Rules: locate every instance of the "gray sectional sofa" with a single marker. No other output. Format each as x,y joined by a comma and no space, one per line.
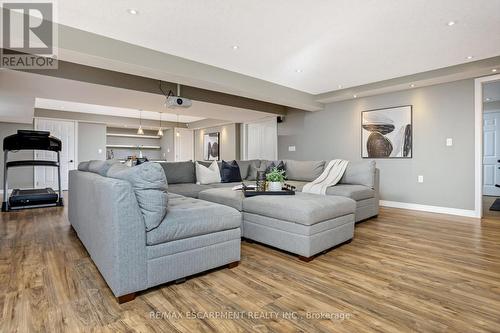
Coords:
141,232
360,181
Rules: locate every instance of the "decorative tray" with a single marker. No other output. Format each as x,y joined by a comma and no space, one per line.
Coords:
252,192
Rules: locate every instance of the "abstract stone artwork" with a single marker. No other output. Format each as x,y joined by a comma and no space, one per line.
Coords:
387,133
211,146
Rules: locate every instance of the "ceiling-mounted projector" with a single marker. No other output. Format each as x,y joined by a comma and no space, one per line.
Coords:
178,102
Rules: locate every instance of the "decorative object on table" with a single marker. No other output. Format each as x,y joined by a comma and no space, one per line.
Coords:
387,133
230,172
289,187
260,182
275,179
211,146
210,175
332,174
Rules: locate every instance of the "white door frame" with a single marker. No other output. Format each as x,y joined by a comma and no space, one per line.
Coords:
478,134
35,121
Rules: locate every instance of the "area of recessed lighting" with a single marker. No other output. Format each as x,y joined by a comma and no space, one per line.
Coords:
355,96
298,70
132,11
469,57
488,99
235,47
494,70
451,23
412,85
340,86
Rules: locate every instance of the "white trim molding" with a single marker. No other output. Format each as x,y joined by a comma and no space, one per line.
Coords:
430,209
478,141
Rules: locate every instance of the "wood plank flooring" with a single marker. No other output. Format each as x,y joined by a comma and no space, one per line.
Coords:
403,272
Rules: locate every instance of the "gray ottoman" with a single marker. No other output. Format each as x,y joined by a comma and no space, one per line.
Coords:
304,224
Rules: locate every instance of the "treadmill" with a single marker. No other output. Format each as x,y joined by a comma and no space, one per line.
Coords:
31,198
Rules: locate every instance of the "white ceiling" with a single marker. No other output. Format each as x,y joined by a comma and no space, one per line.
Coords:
19,90
331,42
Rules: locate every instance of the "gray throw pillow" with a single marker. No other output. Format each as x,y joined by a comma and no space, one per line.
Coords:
179,172
84,166
150,187
101,167
245,167
306,171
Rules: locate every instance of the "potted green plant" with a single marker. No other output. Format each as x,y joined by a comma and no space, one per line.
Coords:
275,179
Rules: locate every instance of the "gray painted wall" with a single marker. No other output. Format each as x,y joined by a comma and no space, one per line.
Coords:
439,112
91,139
228,141
18,177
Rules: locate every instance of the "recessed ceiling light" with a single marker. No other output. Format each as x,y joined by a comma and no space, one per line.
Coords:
470,57
488,99
235,47
298,70
132,11
494,70
340,86
412,85
451,23
62,107
355,96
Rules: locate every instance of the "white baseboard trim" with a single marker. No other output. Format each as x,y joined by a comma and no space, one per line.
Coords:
431,209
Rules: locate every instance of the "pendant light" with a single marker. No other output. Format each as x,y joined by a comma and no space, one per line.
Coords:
140,131
160,130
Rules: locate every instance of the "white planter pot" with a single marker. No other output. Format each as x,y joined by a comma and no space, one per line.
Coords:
274,186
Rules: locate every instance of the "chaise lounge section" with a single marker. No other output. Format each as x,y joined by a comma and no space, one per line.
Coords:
194,236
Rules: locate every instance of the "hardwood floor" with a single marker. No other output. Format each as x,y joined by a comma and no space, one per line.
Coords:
404,271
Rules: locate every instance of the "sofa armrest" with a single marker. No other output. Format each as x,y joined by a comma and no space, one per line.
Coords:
105,214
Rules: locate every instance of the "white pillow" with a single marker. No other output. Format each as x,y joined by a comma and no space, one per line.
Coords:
210,175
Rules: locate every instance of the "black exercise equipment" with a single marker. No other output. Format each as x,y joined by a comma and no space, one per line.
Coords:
32,198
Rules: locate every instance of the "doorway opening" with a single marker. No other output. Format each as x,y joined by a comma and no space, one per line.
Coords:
488,182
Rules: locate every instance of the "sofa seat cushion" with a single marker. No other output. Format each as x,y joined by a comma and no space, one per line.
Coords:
188,217
355,192
188,190
223,196
302,208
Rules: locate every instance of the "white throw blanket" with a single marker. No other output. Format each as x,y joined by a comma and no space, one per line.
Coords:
330,177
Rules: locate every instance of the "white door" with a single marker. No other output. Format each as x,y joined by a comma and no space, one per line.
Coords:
184,144
66,132
261,141
491,153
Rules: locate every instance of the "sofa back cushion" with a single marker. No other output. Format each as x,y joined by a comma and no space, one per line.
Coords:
306,171
101,167
245,167
360,173
83,166
150,187
230,172
179,172
254,167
